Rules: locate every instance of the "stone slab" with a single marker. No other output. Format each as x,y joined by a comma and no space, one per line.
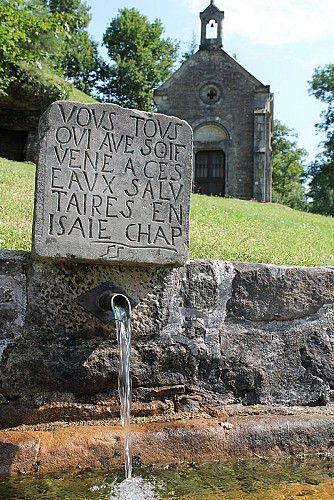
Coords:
18,452
113,185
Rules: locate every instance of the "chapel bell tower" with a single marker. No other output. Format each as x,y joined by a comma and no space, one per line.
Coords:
211,28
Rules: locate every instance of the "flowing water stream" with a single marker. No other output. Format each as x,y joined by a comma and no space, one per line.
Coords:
124,330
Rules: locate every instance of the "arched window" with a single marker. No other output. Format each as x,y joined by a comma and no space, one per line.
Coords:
212,29
210,132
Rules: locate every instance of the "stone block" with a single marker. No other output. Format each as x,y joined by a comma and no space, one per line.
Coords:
113,186
264,292
12,296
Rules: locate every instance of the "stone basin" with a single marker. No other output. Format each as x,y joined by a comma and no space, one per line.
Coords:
64,446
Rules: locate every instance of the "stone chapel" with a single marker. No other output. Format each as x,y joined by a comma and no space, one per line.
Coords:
230,112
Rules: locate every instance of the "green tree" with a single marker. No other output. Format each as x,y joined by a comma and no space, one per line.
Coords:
192,47
321,186
25,39
288,167
79,61
141,59
321,171
322,87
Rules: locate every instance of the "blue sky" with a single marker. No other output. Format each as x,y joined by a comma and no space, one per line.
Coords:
279,41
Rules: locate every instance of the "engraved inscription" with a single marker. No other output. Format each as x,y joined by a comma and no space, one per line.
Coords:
116,185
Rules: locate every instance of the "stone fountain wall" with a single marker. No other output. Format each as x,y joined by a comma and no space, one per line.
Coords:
236,333
112,203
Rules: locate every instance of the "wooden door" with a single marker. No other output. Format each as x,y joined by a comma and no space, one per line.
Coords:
210,173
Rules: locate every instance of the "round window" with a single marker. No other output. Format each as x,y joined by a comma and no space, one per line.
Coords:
210,93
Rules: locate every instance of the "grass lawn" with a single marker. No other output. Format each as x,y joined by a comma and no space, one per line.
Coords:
17,182
221,228
246,231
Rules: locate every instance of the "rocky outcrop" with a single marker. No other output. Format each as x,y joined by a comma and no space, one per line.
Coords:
23,105
226,332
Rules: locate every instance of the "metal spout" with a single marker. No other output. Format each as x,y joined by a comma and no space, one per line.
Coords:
107,302
115,302
119,304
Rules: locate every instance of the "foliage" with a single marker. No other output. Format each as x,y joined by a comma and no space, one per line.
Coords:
48,34
321,186
321,171
79,11
221,228
25,29
46,87
288,168
141,59
38,88
80,61
322,87
192,47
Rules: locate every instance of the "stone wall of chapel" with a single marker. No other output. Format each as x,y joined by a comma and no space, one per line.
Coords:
234,109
